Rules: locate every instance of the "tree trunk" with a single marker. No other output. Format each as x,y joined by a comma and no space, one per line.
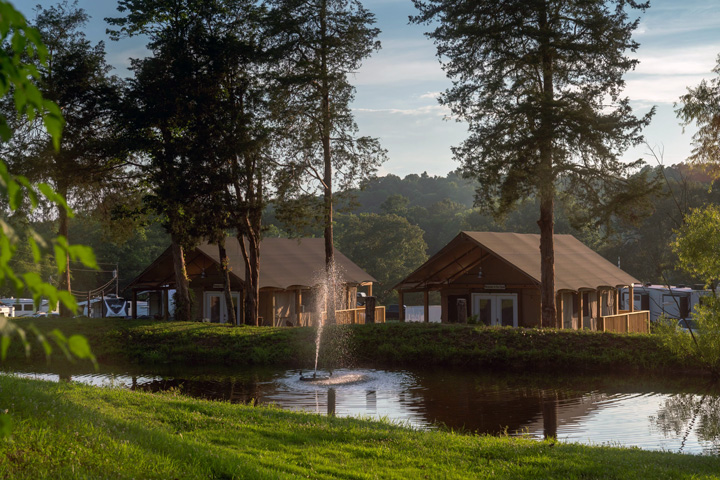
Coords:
183,302
224,265
547,260
251,253
546,187
331,287
64,282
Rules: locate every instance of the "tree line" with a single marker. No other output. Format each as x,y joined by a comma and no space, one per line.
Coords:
237,101
239,123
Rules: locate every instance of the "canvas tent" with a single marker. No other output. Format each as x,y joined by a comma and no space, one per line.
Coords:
290,271
497,277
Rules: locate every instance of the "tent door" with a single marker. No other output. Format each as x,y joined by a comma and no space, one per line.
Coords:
496,309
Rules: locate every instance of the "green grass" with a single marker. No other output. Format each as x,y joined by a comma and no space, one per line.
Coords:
396,345
65,431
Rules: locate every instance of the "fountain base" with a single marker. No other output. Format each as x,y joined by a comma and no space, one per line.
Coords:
314,377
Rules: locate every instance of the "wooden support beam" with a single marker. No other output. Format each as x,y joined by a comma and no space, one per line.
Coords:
558,310
616,308
631,298
401,310
426,306
166,304
298,307
133,305
581,319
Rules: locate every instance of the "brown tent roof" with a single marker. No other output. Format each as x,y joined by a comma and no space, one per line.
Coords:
284,263
576,265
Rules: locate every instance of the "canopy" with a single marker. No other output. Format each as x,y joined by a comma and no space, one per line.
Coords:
576,266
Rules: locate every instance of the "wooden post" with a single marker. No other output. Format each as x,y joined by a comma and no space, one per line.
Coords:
298,307
559,311
89,312
401,310
598,294
461,310
134,304
616,308
631,297
369,288
166,304
273,320
102,304
370,309
581,319
426,305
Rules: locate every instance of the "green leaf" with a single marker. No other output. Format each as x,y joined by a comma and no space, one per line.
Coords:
4,345
60,258
80,347
84,254
67,299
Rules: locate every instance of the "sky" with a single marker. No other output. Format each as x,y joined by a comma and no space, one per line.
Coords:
397,87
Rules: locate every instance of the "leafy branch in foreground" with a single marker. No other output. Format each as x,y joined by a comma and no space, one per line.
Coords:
19,76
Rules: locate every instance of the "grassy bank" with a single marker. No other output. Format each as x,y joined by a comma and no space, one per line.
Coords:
157,342
65,430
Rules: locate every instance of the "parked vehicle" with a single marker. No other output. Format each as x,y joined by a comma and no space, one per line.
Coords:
108,306
676,302
7,310
392,312
25,307
686,325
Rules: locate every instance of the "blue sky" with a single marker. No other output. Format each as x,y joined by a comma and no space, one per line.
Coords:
397,87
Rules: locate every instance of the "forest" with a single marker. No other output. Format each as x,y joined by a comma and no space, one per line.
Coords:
392,225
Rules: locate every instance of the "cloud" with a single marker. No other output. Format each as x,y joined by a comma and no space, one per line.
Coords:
431,95
427,110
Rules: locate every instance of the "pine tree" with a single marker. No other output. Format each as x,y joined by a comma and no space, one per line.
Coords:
539,83
322,41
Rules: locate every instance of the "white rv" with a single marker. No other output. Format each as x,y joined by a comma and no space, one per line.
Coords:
108,306
25,307
674,302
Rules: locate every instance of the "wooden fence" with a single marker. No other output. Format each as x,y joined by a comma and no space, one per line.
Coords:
626,322
342,317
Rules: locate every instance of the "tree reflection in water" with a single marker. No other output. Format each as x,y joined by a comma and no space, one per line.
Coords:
683,413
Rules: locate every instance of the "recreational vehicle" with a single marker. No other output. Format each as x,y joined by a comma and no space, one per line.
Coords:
108,306
673,302
25,307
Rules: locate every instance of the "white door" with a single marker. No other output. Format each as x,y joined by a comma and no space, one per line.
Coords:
497,309
216,309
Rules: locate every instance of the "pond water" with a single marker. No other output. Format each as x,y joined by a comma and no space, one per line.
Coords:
680,415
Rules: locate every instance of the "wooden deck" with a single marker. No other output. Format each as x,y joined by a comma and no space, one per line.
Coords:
342,317
626,322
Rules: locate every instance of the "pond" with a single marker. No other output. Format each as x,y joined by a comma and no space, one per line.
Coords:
681,415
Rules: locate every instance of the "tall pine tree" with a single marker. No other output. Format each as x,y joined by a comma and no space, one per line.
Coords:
323,42
540,84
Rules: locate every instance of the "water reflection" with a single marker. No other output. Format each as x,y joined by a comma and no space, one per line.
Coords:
684,415
649,413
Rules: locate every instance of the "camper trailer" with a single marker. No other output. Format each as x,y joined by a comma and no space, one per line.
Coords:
674,302
7,310
108,306
25,307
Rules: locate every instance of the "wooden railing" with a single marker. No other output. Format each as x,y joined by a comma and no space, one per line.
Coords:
342,317
626,322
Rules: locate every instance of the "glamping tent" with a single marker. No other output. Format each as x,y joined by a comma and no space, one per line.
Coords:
290,272
495,279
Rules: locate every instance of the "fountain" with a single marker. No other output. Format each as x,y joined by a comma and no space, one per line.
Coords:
327,300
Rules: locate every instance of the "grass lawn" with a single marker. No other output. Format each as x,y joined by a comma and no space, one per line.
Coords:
63,430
